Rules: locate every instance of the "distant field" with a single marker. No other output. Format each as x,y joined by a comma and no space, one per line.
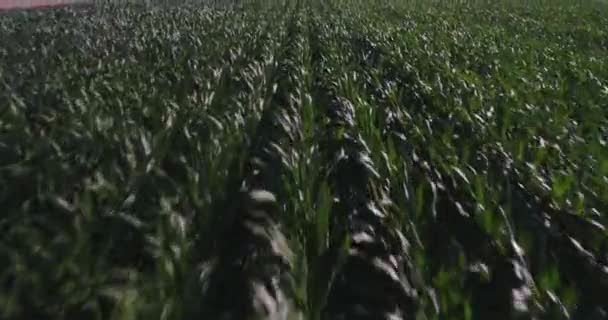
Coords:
14,4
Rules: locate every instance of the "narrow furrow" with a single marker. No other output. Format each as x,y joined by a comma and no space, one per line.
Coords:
370,282
368,251
253,276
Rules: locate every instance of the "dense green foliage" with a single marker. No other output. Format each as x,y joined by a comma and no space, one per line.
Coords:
305,160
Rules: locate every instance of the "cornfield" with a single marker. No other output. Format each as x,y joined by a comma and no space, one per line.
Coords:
319,160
